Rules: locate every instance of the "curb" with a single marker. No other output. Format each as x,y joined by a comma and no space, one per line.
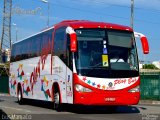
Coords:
141,102
149,102
4,94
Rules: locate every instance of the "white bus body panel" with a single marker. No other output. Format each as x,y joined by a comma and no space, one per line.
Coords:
40,87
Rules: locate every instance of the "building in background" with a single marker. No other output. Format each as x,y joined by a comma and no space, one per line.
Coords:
5,56
156,63
141,63
8,54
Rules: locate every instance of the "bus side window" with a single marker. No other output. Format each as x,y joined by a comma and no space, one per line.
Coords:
60,44
13,54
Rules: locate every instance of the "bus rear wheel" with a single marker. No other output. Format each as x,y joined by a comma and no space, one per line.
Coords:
19,96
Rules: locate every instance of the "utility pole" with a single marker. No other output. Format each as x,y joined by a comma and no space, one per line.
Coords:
46,1
6,28
132,13
6,35
16,28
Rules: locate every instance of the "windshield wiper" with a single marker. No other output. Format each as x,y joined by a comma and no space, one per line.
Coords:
94,67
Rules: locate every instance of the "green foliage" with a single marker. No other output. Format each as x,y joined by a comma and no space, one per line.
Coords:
4,69
150,66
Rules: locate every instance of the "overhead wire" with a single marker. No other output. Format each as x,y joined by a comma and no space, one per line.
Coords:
124,6
59,4
98,13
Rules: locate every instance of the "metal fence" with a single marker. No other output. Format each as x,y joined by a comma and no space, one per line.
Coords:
150,86
4,84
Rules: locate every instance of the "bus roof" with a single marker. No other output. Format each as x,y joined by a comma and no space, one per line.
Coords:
83,24
91,24
35,34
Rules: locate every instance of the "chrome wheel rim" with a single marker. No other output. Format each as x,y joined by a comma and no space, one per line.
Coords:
56,98
19,95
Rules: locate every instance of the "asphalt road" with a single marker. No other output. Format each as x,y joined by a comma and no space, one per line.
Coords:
38,110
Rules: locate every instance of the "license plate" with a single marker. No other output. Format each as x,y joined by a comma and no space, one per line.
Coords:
110,99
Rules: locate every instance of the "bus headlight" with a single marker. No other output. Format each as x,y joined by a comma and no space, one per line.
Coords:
136,89
80,88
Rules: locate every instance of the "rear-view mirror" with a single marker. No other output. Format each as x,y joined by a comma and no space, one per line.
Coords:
73,42
73,38
144,42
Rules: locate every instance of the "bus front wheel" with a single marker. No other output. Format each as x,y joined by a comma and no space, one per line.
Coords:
57,103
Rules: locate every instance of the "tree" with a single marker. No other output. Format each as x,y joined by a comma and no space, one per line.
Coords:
149,66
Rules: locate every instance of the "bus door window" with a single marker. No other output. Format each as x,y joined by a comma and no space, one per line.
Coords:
83,54
132,56
69,54
60,44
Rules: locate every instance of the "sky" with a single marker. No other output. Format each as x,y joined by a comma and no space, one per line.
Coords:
30,17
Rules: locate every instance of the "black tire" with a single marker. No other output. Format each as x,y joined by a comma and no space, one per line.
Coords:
57,103
19,96
113,109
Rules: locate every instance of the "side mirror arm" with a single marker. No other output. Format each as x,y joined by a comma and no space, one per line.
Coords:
144,42
73,38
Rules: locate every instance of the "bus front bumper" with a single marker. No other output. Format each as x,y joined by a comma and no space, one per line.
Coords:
106,98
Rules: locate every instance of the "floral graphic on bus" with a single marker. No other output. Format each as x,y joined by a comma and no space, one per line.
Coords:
20,71
44,87
12,84
35,74
13,81
26,88
112,84
94,84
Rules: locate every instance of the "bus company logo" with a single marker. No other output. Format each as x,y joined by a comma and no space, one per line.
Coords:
110,84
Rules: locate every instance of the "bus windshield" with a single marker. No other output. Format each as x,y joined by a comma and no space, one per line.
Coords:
106,53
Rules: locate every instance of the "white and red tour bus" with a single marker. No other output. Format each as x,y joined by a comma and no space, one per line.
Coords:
78,62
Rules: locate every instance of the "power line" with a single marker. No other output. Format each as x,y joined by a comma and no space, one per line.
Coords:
97,13
110,4
89,11
125,6
59,4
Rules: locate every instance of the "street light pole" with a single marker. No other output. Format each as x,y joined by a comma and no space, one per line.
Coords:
132,12
16,30
16,34
45,1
